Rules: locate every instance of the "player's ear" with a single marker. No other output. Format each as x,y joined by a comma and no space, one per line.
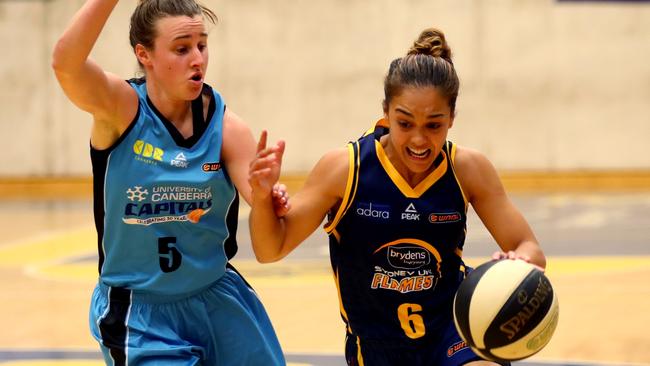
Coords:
142,54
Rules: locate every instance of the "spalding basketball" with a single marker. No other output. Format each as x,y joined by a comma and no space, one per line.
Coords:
506,310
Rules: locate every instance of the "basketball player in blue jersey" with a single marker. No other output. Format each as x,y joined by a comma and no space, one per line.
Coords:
396,205
169,161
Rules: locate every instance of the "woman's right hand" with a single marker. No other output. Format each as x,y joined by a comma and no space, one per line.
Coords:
264,170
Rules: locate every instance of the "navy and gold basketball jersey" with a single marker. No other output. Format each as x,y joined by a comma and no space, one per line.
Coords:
165,207
395,249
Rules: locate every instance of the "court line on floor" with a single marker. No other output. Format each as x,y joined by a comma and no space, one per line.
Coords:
93,358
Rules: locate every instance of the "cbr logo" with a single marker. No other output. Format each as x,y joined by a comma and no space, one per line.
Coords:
146,150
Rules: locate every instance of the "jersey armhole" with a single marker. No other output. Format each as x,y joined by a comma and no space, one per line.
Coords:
350,187
451,148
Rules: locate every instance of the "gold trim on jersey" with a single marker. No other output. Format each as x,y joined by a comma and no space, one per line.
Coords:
401,183
458,251
350,187
451,147
452,153
359,355
380,123
344,313
336,235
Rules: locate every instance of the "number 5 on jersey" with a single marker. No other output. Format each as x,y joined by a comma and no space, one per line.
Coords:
170,257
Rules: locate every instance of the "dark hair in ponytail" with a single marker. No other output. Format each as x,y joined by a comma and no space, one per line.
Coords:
426,64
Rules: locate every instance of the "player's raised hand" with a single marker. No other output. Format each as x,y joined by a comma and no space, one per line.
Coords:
264,170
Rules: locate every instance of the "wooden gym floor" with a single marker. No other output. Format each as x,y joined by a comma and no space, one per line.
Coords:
598,248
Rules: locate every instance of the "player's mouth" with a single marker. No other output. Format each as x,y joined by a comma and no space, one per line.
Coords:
418,153
197,77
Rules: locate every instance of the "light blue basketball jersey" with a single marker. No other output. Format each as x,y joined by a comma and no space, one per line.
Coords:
165,208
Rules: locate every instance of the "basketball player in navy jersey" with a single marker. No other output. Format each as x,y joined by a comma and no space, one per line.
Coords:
396,206
169,162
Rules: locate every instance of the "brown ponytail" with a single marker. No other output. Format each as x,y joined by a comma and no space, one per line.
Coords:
426,64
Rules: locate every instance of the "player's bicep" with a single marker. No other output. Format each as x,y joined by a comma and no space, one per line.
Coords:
95,91
490,201
504,222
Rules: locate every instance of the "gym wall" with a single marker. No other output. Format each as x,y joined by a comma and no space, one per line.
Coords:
546,86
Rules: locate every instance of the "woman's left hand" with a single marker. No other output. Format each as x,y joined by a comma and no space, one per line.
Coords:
280,196
511,254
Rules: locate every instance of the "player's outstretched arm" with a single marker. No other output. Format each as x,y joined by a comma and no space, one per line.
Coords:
108,98
273,238
500,216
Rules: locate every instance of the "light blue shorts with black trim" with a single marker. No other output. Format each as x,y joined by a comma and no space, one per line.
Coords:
224,325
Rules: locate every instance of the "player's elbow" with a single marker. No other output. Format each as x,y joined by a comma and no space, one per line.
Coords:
265,260
541,260
269,253
62,61
58,63
268,257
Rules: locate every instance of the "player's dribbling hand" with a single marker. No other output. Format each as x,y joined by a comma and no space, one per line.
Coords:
511,254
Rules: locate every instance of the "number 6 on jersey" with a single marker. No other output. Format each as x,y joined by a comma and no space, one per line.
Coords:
412,323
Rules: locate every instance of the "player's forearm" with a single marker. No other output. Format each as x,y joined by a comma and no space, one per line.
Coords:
267,231
74,46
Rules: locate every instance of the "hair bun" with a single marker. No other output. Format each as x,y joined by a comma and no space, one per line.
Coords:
431,42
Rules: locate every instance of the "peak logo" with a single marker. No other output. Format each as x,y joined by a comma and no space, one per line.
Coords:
441,218
180,161
376,211
147,153
410,213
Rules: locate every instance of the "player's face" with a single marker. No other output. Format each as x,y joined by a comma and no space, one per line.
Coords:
419,119
179,59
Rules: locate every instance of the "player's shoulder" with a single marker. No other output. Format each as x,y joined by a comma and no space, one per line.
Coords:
476,173
334,162
331,172
468,159
234,126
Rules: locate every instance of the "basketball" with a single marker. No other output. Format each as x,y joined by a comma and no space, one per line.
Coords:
506,310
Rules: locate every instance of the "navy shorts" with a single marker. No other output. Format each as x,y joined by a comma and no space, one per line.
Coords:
448,350
224,324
